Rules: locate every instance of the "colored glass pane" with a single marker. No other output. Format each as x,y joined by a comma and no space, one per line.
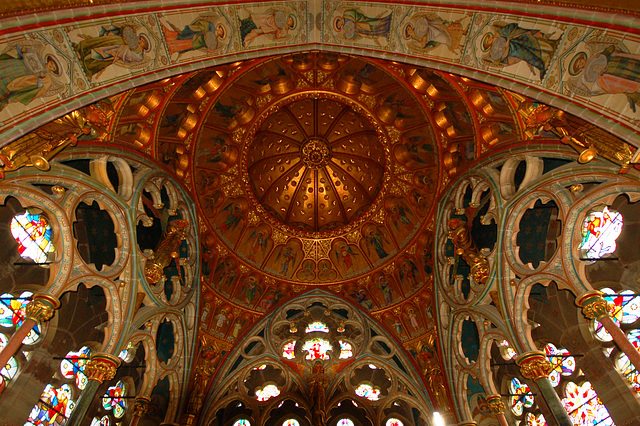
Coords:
128,353
54,407
12,313
9,371
521,396
104,421
74,364
317,326
533,420
291,422
346,351
317,348
393,422
112,400
365,390
344,422
506,350
584,406
268,391
33,234
563,363
288,351
625,309
242,422
624,365
600,230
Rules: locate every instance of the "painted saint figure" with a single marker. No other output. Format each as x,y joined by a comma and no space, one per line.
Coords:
122,45
353,24
509,44
431,31
612,71
202,33
288,259
275,25
20,81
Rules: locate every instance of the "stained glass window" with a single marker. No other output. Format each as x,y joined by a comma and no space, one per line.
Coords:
563,363
104,421
624,365
128,353
393,422
288,351
291,422
317,348
33,234
599,233
521,396
366,390
346,351
625,310
73,366
506,350
533,420
344,422
12,313
112,400
9,371
242,422
317,326
268,391
584,406
54,407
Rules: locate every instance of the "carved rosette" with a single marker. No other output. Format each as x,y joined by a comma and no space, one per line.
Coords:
41,307
140,406
594,307
495,404
534,365
101,367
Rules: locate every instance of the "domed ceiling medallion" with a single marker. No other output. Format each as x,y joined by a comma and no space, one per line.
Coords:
316,164
316,169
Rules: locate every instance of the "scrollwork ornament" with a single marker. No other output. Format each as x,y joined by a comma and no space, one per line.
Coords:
534,365
140,406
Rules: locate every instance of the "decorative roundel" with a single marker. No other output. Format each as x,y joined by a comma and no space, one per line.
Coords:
309,176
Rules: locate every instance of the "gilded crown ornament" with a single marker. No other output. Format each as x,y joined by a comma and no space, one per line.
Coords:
534,365
41,307
594,307
102,367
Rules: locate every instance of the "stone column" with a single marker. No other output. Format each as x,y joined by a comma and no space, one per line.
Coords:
497,408
594,307
140,407
535,366
100,368
40,309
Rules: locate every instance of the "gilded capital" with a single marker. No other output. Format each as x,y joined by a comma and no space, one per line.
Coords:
534,365
593,305
140,406
41,307
101,367
495,404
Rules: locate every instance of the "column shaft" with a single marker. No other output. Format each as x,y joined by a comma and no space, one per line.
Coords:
15,342
83,403
621,340
553,402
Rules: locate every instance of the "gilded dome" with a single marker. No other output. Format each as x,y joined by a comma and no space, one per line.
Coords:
316,164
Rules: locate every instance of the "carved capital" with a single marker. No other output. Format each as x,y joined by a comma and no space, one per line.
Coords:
534,365
41,307
101,367
593,305
495,404
140,406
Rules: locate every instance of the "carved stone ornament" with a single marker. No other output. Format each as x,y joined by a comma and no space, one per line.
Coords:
594,307
140,406
534,365
41,307
465,247
166,251
495,404
102,367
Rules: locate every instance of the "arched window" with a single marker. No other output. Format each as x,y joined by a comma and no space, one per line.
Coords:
33,234
53,408
113,399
